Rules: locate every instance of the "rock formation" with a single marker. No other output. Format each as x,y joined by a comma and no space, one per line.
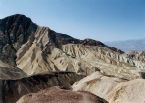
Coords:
112,89
12,90
11,73
57,95
98,84
128,92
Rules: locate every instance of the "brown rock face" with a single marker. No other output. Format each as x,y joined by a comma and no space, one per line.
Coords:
12,90
56,95
11,73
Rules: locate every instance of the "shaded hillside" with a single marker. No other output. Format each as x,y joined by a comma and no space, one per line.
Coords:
12,90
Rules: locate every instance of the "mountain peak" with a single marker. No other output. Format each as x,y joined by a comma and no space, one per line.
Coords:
15,16
12,27
14,32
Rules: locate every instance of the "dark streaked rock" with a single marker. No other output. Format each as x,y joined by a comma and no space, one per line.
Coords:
12,90
14,31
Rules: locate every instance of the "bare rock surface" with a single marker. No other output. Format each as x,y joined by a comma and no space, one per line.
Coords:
11,73
97,83
57,95
128,92
112,89
12,90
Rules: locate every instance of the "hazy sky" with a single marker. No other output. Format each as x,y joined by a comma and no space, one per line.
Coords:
104,20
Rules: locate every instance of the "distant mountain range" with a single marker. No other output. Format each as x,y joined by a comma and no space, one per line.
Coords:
129,45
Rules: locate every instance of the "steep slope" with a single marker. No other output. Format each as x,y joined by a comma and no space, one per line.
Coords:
57,95
12,90
14,32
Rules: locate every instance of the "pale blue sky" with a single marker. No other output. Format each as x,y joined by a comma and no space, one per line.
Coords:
104,20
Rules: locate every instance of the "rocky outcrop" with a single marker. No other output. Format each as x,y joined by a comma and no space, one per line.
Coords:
11,73
57,95
12,90
112,89
128,92
98,84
